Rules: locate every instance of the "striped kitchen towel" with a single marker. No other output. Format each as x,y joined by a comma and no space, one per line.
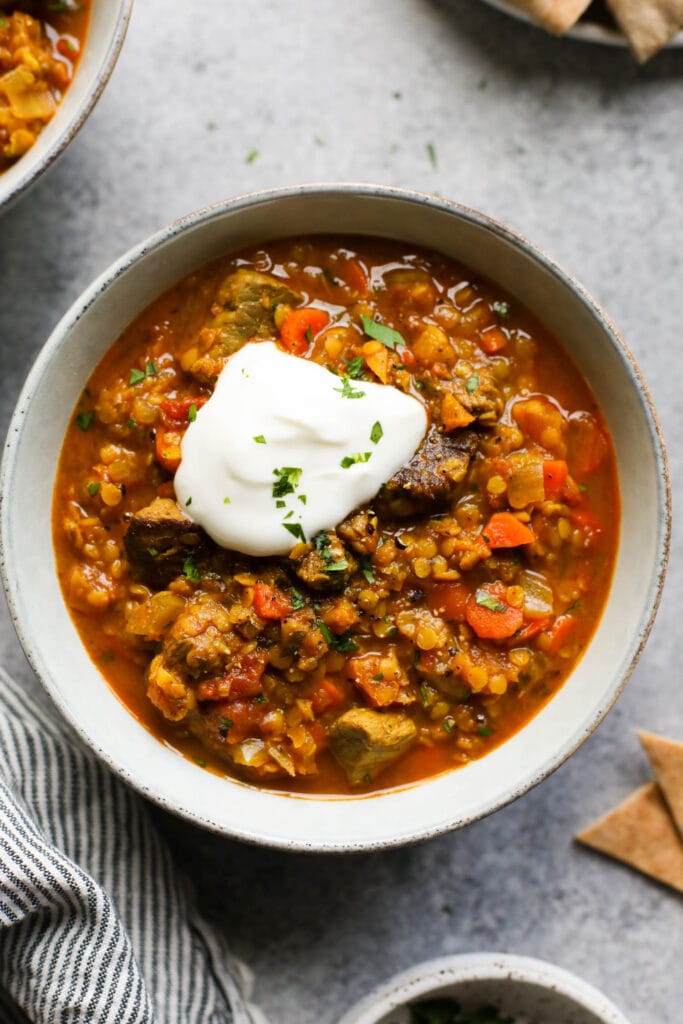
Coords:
96,925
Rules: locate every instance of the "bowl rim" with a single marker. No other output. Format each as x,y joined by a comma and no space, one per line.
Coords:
35,170
431,976
201,217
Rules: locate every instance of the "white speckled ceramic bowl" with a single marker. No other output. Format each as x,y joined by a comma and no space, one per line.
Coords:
74,682
530,991
108,23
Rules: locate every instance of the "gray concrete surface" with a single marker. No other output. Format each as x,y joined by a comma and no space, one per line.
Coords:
579,149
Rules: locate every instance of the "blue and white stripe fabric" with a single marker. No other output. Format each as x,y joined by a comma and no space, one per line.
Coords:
96,926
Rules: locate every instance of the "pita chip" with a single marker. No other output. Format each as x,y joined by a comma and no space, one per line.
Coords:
647,26
640,832
666,758
554,15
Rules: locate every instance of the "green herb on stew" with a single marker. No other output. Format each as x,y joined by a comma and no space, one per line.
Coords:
308,334
296,530
484,732
192,412
376,434
378,675
424,693
93,488
336,566
487,600
387,336
136,376
288,480
200,762
132,423
84,419
190,569
298,599
355,367
367,777
150,370
260,439
501,309
225,723
366,568
421,385
342,643
351,460
346,391
153,552
472,383
431,153
448,725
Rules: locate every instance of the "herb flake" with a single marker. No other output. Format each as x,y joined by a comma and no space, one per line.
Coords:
387,336
376,434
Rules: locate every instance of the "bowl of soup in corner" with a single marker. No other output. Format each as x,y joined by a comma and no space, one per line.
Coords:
349,513
56,60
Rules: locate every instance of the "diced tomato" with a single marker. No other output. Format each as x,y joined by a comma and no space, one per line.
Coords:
504,530
242,679
300,325
449,600
560,632
379,678
492,340
354,276
270,602
167,448
177,409
490,615
327,695
407,357
237,719
554,477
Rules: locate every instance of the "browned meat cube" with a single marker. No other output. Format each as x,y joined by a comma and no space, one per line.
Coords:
364,741
479,393
432,475
159,540
327,566
359,530
202,640
246,302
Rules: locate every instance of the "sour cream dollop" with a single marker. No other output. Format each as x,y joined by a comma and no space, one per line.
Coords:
284,449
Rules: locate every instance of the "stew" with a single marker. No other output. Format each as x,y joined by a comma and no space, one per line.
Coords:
40,46
420,629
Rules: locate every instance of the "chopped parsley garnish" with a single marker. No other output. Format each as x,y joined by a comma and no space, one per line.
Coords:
280,504
308,334
153,552
367,777
226,501
501,309
289,514
252,155
132,423
200,761
298,599
84,419
483,731
376,434
93,488
136,376
150,370
225,723
188,502
342,643
296,530
378,676
351,460
260,439
583,487
486,600
366,568
336,566
573,606
355,367
190,569
302,498
192,412
431,153
346,391
380,332
288,480
424,693
447,725
472,383
421,385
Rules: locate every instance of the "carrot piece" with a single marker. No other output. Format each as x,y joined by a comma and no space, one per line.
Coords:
554,477
449,600
560,632
454,414
300,328
354,276
504,530
377,358
328,694
167,448
489,614
492,340
271,603
530,630
242,679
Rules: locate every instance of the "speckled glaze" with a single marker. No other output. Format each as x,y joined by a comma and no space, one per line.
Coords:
327,823
586,30
531,991
107,30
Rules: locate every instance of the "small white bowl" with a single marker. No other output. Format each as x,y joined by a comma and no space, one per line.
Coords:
319,823
530,991
106,32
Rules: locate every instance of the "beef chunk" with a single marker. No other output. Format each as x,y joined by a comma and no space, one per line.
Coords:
479,393
432,475
158,541
245,305
202,640
359,530
365,741
327,565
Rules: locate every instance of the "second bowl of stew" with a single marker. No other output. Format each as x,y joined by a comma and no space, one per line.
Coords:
348,480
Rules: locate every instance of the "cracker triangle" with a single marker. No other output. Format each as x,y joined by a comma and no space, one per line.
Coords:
640,832
666,758
647,26
554,15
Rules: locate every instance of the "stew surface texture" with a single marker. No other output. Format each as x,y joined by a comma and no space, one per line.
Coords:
40,46
413,636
